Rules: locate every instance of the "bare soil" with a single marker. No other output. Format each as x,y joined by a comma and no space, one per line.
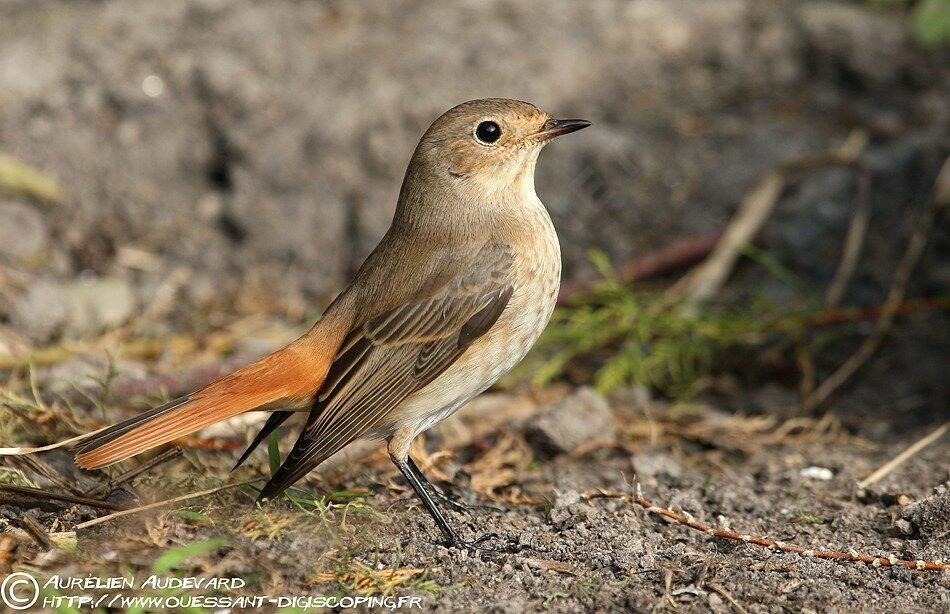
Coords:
792,480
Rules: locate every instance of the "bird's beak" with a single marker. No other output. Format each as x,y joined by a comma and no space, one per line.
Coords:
556,127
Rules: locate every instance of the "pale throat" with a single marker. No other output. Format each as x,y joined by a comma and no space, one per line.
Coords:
509,187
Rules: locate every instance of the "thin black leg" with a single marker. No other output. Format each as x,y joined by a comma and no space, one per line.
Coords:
418,483
433,489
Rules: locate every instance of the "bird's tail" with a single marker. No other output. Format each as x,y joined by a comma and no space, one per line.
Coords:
288,378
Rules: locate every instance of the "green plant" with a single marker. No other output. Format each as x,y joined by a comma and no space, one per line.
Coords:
176,557
930,22
650,338
929,19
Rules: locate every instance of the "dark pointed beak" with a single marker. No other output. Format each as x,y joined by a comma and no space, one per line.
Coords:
556,127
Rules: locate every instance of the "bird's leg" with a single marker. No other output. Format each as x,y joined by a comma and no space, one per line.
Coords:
432,488
418,485
399,453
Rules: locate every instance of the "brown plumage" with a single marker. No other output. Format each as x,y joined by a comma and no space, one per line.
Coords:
453,297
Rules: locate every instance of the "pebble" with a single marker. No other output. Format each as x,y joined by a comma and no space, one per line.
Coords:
652,463
903,527
95,304
23,232
578,419
77,308
817,473
930,515
41,313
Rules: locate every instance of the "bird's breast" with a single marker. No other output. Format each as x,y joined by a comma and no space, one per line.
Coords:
536,273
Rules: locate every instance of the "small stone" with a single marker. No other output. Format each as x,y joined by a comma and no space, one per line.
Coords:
568,509
566,499
653,463
99,303
817,473
41,313
86,373
23,232
578,419
527,539
931,516
635,396
559,517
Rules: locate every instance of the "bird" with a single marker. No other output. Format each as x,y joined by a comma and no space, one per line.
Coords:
454,295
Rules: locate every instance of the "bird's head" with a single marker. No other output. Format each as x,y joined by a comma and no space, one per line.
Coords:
487,146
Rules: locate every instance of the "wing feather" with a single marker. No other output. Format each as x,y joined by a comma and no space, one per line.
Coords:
396,354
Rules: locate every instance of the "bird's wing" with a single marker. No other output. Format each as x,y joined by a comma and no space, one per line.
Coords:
395,354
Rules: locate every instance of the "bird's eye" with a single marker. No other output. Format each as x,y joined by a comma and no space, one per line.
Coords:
487,132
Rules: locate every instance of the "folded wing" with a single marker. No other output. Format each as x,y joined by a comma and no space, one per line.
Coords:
395,354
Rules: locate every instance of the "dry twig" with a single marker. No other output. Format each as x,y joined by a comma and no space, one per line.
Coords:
904,456
673,257
727,596
111,485
705,280
895,297
36,530
860,314
35,465
853,241
687,520
21,492
158,504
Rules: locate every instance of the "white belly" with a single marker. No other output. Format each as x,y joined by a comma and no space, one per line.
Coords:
497,351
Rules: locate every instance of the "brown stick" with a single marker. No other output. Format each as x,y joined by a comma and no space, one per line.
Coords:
727,596
859,314
687,520
675,256
912,254
44,495
705,280
158,504
853,242
32,463
111,485
850,255
904,456
36,530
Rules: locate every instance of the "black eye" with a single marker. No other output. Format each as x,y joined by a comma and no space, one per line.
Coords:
488,132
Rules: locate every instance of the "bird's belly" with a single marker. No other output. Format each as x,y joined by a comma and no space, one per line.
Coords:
489,357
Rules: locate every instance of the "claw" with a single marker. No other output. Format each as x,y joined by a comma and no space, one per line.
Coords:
475,545
453,503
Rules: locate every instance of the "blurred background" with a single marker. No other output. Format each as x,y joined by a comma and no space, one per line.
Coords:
754,322
170,168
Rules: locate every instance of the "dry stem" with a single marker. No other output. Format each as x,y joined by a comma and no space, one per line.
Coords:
895,297
836,555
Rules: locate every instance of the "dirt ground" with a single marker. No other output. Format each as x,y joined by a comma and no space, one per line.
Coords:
792,480
204,176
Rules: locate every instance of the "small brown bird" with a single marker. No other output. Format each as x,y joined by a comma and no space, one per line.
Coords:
452,298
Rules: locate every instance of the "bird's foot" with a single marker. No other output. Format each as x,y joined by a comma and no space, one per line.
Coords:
452,502
476,545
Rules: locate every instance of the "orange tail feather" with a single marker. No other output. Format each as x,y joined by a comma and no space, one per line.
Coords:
288,378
